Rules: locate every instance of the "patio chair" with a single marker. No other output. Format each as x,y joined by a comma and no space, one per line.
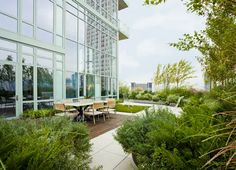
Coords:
110,107
61,107
95,110
69,109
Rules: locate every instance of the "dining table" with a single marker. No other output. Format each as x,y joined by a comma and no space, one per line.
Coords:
80,107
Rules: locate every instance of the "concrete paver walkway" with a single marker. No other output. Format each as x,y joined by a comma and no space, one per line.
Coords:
108,153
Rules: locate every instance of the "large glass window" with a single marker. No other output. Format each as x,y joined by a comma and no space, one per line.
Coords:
90,83
45,14
71,26
9,7
7,90
59,85
27,10
81,58
81,85
45,83
89,60
5,54
114,87
44,36
81,31
71,56
8,23
28,82
71,85
104,86
27,30
59,20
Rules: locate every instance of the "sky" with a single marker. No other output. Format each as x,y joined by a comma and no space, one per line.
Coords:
151,29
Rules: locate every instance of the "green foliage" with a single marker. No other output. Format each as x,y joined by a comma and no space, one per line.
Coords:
162,141
172,98
34,114
176,73
124,90
129,108
55,143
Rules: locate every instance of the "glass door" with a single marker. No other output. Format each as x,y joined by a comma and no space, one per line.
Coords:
8,96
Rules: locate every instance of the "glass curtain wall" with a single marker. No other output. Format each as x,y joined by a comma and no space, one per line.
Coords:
74,53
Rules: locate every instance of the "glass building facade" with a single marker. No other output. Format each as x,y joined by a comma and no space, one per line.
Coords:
51,50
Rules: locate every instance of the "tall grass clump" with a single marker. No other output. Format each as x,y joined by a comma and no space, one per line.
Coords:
55,143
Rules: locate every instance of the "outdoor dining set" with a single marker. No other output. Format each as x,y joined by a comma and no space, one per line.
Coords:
85,109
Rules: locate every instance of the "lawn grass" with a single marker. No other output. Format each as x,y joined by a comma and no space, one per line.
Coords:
130,108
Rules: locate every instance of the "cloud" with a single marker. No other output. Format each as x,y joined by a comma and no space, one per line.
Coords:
152,29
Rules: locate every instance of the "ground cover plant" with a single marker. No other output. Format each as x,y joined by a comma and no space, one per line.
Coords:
46,143
160,140
34,114
129,108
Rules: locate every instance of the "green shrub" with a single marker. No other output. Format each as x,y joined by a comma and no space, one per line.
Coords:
55,143
162,141
155,98
34,114
129,108
172,99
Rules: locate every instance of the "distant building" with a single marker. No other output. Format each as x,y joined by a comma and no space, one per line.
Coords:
144,87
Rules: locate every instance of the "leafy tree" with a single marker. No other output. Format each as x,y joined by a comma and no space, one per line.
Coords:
123,90
176,73
182,72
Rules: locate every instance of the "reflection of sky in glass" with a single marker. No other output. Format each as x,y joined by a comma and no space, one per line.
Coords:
27,30
7,56
8,23
71,56
59,85
9,7
59,21
42,62
45,14
81,58
27,10
71,26
7,45
44,36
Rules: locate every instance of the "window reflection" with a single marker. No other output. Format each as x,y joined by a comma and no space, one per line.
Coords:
59,85
71,26
45,83
90,89
9,7
27,30
7,90
28,83
45,14
81,85
27,10
45,105
71,56
7,56
104,86
8,23
71,85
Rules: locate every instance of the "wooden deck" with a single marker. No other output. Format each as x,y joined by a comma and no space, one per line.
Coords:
102,127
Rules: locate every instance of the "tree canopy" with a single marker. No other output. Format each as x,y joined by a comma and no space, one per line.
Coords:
176,74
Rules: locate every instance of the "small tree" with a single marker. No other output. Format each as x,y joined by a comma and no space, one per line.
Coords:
176,73
123,90
182,72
